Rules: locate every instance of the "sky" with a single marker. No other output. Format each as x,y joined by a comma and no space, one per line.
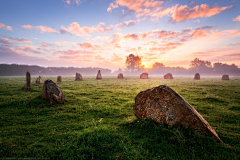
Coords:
102,33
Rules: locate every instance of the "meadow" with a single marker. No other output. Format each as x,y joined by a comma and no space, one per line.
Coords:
97,122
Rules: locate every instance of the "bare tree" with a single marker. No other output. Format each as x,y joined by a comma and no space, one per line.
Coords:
133,62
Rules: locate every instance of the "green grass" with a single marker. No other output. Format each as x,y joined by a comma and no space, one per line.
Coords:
97,122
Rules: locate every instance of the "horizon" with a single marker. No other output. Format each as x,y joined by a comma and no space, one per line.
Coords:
101,34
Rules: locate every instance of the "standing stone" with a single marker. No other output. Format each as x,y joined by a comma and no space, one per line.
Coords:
52,92
168,76
99,76
28,80
39,80
59,79
144,76
197,76
78,77
225,77
164,105
120,76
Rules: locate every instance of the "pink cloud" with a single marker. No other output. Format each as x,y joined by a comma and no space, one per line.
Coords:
73,52
101,38
44,44
111,6
23,40
27,26
27,49
2,25
116,58
89,45
237,19
236,43
75,28
61,43
126,23
5,41
184,13
9,28
196,34
46,29
72,2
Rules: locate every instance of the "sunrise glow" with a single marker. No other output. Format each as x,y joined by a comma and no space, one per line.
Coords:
100,33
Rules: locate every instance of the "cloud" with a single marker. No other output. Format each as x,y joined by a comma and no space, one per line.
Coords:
46,29
197,34
59,43
7,27
237,19
22,40
5,41
15,40
127,23
75,28
89,45
236,43
116,58
2,25
73,52
101,38
27,49
150,43
183,13
72,2
27,26
111,6
44,44
191,2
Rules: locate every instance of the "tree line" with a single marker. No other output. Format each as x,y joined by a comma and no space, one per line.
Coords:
20,70
134,67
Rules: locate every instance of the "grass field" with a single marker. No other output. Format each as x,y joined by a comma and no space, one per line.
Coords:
97,122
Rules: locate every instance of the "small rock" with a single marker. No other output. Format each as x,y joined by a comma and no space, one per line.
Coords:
168,76
39,80
197,76
225,77
78,77
144,76
120,76
59,79
99,76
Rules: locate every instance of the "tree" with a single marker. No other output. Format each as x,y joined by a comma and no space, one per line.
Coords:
133,62
158,65
197,64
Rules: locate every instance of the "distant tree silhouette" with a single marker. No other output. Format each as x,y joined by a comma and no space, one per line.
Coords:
133,62
158,65
200,64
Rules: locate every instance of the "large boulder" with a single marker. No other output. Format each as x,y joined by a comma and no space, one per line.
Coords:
52,92
144,76
164,105
39,80
78,77
120,76
28,81
225,77
99,76
168,76
59,79
197,76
